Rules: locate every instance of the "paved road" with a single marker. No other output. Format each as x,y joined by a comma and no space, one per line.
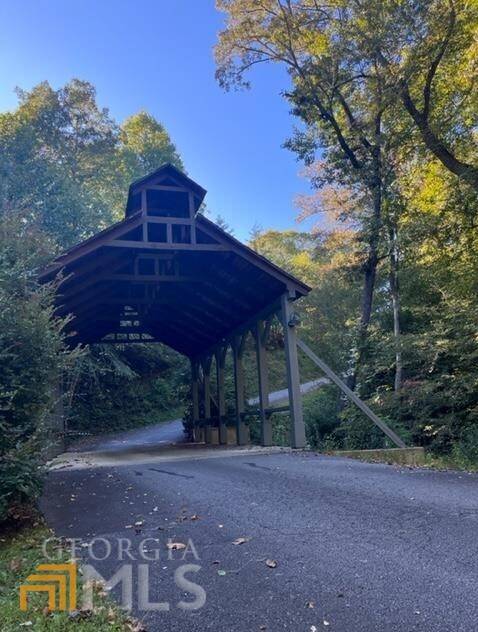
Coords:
168,433
282,396
372,548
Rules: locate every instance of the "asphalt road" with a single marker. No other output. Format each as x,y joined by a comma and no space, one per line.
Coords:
359,547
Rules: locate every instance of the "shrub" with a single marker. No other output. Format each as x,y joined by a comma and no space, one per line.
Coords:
32,357
320,415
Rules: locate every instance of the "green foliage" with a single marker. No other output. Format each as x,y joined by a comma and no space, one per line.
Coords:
65,167
386,96
32,356
320,415
129,387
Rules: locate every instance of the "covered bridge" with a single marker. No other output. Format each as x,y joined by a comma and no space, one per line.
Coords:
166,273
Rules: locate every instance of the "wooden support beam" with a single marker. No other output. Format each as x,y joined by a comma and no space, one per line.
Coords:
206,368
351,395
261,355
239,387
83,272
221,395
297,427
195,398
153,245
248,325
153,278
105,238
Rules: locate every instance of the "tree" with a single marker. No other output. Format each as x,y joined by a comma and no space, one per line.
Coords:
145,145
55,151
428,50
339,91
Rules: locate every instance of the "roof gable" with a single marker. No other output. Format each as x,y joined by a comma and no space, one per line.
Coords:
166,175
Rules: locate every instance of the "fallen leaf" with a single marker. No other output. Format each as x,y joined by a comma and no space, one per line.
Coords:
241,541
175,546
221,572
310,604
194,517
271,563
326,622
15,565
133,625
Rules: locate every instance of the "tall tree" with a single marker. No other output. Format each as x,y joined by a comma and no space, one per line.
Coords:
429,53
338,90
54,155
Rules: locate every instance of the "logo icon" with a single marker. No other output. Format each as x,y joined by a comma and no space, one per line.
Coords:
57,580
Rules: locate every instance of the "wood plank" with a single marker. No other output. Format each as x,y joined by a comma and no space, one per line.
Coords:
221,395
262,371
297,427
152,245
239,388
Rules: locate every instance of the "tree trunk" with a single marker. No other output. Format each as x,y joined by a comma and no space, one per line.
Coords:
395,294
370,265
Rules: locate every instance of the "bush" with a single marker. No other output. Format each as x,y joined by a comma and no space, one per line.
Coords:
32,357
320,415
466,450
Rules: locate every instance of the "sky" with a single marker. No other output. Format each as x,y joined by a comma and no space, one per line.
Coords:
157,55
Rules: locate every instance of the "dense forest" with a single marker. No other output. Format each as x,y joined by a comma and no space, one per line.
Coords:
384,95
65,167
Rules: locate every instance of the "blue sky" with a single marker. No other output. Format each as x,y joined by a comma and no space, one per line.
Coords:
157,55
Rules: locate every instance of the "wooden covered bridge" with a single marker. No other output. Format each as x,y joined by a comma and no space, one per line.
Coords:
167,274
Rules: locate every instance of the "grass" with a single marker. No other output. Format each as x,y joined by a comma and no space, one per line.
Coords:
449,462
20,552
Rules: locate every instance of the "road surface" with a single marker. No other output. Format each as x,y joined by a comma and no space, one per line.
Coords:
331,544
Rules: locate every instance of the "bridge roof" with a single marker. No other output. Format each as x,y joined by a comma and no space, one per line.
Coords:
125,285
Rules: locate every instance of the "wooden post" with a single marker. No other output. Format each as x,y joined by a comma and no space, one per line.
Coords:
261,354
297,427
237,354
195,398
221,396
206,367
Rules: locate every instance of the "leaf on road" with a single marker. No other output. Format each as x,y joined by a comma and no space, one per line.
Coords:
221,572
194,517
241,541
175,546
310,604
271,563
